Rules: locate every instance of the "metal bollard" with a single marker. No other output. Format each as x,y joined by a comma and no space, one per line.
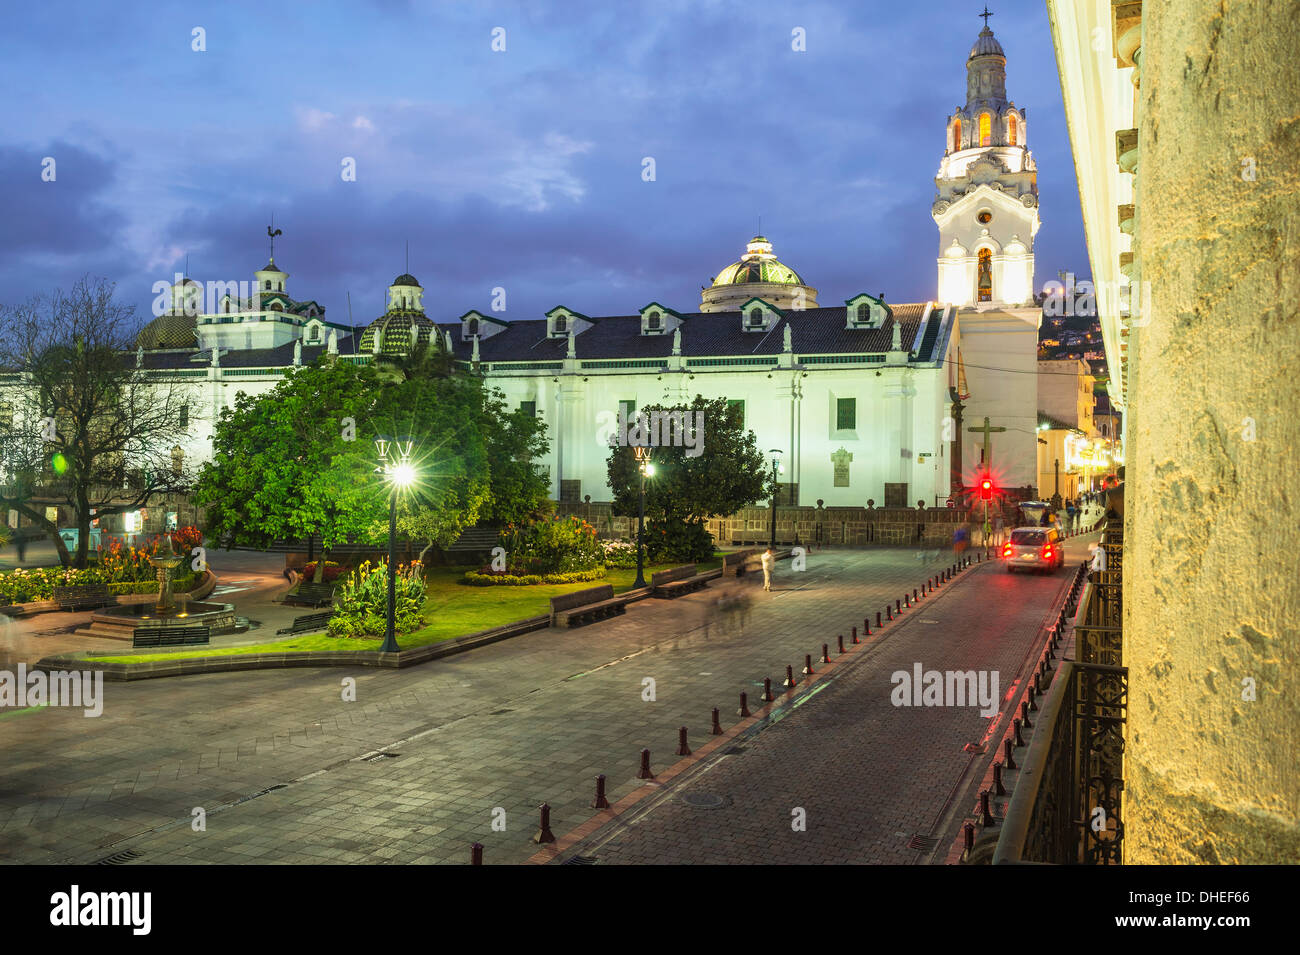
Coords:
1007,761
789,683
841,639
878,623
905,601
807,665
826,656
1033,692
915,598
986,817
1024,715
998,788
644,771
866,628
767,690
600,802
897,608
889,612
544,833
476,854
855,631
969,835
744,705
1015,724
717,726
682,748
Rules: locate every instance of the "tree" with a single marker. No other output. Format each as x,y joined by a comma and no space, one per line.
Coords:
85,426
727,474
515,440
289,465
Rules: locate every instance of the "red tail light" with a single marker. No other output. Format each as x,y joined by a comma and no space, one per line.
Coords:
1006,551
1047,552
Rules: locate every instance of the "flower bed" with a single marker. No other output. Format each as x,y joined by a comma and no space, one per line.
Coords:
361,601
489,579
28,586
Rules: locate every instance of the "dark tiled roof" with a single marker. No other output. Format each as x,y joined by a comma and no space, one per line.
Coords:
815,331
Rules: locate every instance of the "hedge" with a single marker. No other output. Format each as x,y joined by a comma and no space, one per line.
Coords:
530,580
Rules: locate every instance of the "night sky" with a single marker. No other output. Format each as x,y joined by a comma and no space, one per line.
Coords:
520,169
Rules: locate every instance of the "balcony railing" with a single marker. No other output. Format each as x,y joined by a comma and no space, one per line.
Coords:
1067,807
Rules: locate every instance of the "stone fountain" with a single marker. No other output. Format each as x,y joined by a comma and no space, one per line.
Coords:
121,622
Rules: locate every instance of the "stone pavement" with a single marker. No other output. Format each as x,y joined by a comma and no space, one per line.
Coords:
287,771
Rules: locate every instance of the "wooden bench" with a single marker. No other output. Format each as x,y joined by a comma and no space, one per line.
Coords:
82,596
676,581
170,636
311,595
735,565
308,622
584,606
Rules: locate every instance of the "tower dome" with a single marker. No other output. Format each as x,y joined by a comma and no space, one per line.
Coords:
986,44
758,274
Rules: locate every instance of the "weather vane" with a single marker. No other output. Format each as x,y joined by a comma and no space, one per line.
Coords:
272,231
986,16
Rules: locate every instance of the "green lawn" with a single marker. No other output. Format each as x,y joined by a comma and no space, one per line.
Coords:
452,609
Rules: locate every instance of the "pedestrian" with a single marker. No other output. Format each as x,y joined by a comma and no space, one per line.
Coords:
768,560
960,539
999,527
1071,513
1099,559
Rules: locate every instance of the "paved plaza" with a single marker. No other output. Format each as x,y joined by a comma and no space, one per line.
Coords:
425,759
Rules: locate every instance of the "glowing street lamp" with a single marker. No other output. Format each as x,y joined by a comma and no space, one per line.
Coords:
646,470
395,465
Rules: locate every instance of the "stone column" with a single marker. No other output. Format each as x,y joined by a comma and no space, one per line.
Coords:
1211,577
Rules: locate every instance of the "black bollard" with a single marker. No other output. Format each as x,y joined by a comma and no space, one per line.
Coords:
476,854
1015,725
744,705
807,665
986,817
897,608
682,748
789,683
998,788
544,833
767,690
644,771
889,612
841,639
826,656
969,835
878,623
600,802
1007,761
1024,715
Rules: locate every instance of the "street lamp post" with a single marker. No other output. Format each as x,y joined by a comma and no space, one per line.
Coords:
776,470
646,469
399,473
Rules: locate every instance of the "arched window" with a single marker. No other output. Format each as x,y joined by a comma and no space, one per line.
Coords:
986,129
1011,129
985,275
652,321
315,333
561,324
956,134
864,313
268,285
471,327
755,316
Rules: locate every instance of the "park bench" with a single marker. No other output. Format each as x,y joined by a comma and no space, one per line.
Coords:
170,636
311,595
584,606
734,565
676,581
81,596
308,622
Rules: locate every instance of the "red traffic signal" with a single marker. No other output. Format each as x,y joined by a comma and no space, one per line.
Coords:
986,490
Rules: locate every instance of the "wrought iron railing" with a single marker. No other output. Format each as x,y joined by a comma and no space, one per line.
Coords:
1068,803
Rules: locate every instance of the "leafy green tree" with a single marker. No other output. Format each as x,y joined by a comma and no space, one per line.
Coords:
289,464
687,488
515,440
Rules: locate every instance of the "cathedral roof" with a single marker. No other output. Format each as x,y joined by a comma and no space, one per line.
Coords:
395,329
407,279
758,264
986,44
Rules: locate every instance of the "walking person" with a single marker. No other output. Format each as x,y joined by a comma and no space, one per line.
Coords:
1072,513
768,561
960,539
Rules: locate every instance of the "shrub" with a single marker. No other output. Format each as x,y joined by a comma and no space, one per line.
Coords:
687,542
27,586
619,553
185,539
559,545
486,578
361,601
332,572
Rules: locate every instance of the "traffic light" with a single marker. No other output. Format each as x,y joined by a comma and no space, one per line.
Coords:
986,490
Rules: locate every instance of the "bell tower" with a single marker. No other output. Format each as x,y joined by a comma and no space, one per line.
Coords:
986,202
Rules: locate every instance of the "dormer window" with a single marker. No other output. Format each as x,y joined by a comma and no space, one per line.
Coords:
315,333
654,321
755,318
471,327
864,314
866,311
561,325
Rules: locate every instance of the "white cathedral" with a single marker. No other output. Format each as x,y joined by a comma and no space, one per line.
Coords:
867,399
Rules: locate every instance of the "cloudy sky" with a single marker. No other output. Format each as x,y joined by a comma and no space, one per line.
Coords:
520,169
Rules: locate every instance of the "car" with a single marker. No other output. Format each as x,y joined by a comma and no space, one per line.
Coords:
1034,548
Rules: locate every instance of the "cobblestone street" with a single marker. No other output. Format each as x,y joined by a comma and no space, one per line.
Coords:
286,771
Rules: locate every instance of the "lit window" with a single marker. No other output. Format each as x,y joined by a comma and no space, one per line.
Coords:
985,275
1011,129
956,135
986,126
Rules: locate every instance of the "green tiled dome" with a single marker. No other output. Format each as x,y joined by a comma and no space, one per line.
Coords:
758,265
169,330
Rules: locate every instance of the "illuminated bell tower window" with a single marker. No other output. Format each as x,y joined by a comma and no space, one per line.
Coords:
985,275
986,130
956,135
1011,129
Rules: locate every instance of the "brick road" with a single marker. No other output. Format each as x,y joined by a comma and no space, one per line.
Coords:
503,727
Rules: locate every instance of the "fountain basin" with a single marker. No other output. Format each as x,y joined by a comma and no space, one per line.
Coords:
120,623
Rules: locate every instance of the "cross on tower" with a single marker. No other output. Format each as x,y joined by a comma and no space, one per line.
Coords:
985,15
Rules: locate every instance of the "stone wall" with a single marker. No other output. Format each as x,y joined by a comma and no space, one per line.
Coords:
1211,574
